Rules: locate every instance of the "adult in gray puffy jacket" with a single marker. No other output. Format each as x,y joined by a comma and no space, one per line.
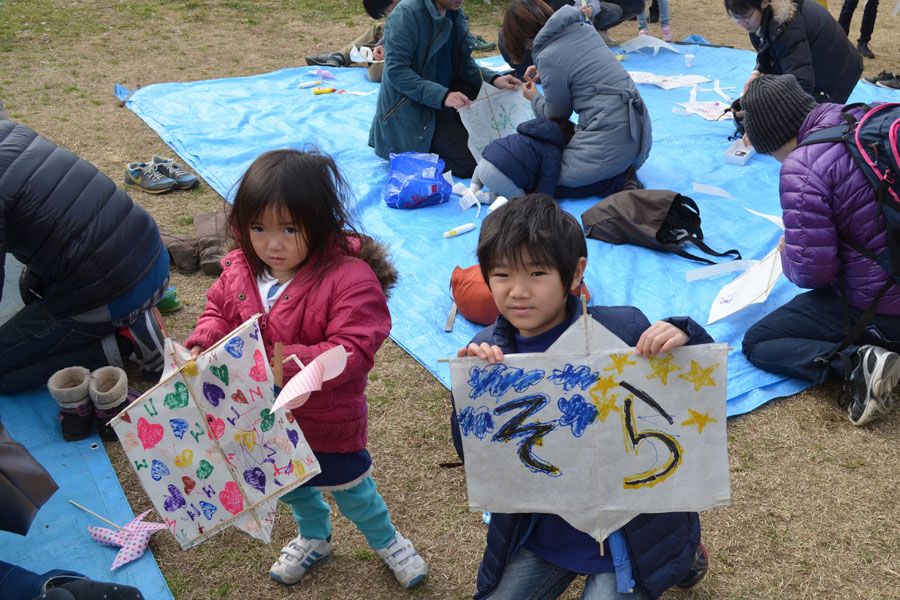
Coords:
578,73
95,264
829,207
800,37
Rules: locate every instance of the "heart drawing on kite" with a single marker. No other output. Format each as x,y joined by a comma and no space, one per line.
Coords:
230,498
150,434
179,398
256,478
221,372
216,427
213,393
239,397
258,370
179,427
158,470
176,500
235,347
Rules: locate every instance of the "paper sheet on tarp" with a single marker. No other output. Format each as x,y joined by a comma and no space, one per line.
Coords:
218,127
492,115
601,434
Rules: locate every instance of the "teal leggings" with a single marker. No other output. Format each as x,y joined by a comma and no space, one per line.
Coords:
361,504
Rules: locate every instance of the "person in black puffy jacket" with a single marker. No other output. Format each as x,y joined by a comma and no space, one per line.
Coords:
94,262
800,38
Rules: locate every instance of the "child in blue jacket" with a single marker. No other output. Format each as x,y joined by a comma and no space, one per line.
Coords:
532,256
526,161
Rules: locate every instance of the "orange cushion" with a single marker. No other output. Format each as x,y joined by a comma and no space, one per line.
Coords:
473,297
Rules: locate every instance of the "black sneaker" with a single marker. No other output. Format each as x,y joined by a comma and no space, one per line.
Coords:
891,84
333,59
863,48
883,76
699,568
871,384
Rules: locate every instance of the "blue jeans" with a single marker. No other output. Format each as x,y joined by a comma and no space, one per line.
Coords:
362,504
663,15
37,343
529,577
789,339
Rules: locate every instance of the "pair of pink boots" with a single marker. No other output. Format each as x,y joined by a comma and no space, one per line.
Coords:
665,29
86,397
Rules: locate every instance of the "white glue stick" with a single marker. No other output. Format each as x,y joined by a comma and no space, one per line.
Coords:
459,230
309,84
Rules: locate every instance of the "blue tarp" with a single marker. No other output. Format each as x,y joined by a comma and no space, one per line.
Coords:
58,538
220,126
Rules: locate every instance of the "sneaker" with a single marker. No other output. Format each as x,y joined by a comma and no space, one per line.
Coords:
147,336
863,48
871,384
298,557
699,568
607,39
170,302
883,76
632,181
643,32
891,84
666,33
172,170
148,177
332,59
482,45
408,567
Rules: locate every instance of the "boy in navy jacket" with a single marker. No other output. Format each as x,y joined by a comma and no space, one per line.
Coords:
532,256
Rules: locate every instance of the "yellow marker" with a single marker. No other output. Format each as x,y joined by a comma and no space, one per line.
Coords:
318,91
459,230
309,84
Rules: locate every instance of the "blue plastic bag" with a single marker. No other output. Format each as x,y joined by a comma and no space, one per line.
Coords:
416,180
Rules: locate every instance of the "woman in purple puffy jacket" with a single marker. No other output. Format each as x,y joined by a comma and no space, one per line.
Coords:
829,207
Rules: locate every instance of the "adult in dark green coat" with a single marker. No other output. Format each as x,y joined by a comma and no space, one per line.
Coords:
429,74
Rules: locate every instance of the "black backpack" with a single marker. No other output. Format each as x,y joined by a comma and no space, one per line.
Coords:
874,143
658,219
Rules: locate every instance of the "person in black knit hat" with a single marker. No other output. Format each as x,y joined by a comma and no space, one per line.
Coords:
829,211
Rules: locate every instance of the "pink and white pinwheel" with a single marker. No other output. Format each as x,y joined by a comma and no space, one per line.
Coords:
132,538
327,365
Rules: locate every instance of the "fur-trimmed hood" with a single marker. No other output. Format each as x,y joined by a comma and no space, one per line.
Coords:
784,10
377,256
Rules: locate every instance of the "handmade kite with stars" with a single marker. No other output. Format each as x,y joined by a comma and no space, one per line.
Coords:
208,447
593,433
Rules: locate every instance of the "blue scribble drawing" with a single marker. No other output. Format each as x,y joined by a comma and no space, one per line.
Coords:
531,434
570,377
498,379
576,413
477,422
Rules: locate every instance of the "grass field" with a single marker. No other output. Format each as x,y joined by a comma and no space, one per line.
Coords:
815,501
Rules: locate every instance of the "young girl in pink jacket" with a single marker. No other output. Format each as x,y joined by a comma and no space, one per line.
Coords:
318,283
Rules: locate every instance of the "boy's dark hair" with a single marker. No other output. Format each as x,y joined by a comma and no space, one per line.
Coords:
309,187
742,7
567,127
377,8
537,225
521,23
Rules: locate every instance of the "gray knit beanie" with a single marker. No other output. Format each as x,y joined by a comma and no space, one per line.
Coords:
774,109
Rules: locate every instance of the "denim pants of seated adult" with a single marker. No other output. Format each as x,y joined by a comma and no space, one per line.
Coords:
362,504
36,343
529,577
789,339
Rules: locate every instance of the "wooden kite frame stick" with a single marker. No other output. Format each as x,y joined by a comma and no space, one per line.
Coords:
278,367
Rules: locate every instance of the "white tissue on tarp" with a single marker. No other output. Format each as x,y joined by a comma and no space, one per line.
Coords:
458,188
467,200
500,201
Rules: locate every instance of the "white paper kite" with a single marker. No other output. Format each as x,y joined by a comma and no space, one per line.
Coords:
492,115
327,365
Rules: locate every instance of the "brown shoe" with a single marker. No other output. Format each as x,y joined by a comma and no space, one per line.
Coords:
212,239
183,250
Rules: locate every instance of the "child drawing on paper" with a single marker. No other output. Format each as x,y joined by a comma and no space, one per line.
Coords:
533,255
318,284
526,161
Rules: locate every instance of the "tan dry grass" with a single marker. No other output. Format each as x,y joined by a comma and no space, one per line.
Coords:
814,512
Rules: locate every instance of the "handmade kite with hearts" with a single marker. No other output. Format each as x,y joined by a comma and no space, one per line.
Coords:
132,538
209,448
